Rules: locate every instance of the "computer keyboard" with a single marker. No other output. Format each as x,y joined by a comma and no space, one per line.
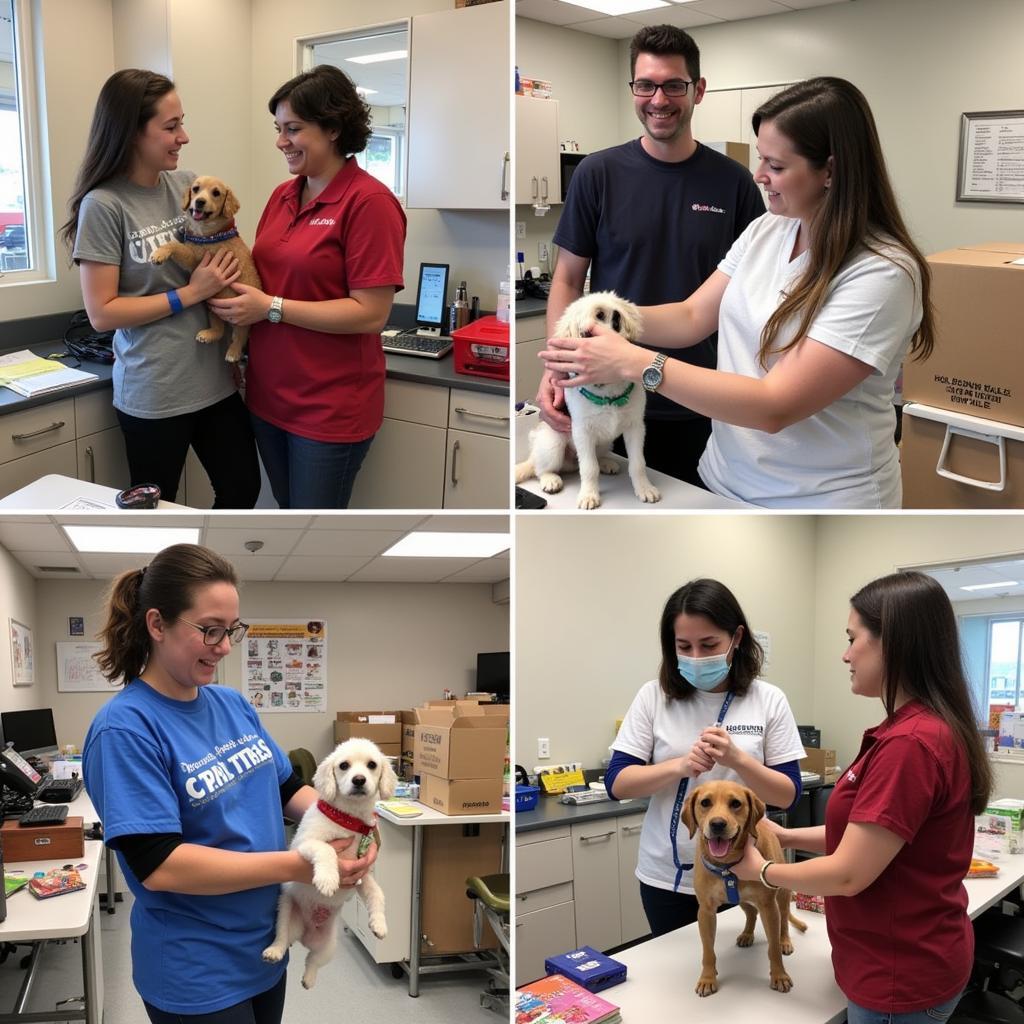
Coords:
416,345
54,814
57,791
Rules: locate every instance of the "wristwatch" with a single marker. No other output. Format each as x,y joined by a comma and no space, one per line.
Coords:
275,314
651,377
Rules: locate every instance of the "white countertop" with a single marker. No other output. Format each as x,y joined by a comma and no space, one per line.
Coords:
54,492
432,817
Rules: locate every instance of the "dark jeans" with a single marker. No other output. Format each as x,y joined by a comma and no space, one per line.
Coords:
666,910
675,447
308,474
221,436
266,1008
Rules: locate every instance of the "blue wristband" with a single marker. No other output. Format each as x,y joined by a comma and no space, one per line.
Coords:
174,301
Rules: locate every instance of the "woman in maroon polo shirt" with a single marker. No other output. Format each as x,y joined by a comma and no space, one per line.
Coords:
899,826
330,251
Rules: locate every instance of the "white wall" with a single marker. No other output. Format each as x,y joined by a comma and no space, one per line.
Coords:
589,596
17,601
389,645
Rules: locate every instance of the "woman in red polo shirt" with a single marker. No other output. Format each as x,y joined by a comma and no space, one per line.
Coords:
330,249
899,826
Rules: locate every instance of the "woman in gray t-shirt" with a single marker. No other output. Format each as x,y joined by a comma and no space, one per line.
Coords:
170,392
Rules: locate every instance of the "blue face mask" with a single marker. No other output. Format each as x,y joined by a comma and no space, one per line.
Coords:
704,673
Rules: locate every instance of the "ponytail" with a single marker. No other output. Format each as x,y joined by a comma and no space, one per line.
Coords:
167,584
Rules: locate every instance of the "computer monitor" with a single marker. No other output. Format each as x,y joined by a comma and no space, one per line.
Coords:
30,732
431,299
492,674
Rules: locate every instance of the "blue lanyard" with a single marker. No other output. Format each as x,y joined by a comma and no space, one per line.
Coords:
673,827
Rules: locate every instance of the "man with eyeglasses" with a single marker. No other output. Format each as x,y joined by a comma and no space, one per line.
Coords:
651,219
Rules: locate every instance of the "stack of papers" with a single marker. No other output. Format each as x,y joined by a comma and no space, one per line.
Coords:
28,374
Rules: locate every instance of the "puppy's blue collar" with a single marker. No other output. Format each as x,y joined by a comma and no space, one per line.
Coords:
732,883
221,236
605,400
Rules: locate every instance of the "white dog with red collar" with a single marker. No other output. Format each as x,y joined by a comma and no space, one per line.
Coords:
350,781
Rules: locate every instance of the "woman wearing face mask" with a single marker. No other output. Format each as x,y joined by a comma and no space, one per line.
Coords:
708,715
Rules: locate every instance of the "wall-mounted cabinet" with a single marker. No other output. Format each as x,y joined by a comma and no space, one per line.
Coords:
538,169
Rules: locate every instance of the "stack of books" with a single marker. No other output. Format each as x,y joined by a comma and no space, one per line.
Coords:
557,1000
30,375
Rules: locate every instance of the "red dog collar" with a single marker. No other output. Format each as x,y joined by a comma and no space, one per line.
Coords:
345,820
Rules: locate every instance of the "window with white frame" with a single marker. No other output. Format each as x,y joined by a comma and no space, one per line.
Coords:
377,61
15,253
993,647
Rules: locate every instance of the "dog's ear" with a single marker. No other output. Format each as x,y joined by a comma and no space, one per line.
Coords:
231,204
689,815
630,320
388,780
755,812
324,780
186,196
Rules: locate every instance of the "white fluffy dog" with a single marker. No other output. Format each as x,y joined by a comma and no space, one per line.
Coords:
599,412
349,782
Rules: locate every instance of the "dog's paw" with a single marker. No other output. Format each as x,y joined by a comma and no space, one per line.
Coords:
550,483
745,939
209,335
781,982
609,466
232,357
647,492
589,499
273,954
378,926
325,882
160,255
787,947
309,978
707,985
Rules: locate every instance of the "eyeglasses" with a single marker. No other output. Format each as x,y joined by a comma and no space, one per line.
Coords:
675,87
212,635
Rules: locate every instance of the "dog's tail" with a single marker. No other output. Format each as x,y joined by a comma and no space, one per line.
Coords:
525,471
796,922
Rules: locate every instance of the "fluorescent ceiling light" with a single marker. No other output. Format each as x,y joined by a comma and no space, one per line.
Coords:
990,586
363,91
425,544
143,540
613,7
377,58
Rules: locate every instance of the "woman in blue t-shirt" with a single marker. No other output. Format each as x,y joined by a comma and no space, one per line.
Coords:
192,791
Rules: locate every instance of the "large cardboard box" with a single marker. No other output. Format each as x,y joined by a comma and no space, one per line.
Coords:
471,745
977,452
357,723
819,760
738,151
461,796
976,368
49,842
408,756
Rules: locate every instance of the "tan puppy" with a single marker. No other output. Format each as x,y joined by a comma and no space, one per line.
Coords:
726,814
211,208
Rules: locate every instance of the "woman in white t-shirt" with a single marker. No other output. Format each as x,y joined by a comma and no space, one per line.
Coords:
816,307
708,715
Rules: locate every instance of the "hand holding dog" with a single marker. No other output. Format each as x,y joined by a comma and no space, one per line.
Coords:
213,272
602,356
551,399
748,869
249,307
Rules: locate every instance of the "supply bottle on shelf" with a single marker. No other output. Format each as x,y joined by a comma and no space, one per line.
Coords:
461,306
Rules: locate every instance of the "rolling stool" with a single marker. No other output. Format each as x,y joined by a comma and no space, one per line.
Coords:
490,900
999,950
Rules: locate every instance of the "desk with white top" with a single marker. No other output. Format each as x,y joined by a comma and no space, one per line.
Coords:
73,915
401,850
662,972
54,492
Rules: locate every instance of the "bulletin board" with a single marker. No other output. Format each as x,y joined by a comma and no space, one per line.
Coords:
77,671
286,664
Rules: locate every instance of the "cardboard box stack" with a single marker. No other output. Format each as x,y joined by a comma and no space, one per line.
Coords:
822,762
975,371
408,762
459,755
1000,829
382,727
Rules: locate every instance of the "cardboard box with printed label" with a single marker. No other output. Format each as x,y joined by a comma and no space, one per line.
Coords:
820,760
978,296
461,743
998,830
461,796
46,842
382,727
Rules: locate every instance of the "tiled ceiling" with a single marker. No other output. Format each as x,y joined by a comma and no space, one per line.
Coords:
678,12
955,577
296,548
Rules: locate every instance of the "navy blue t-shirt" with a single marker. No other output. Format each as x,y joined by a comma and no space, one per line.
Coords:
654,232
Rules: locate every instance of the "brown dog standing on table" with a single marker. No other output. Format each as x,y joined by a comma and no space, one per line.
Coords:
726,814
211,208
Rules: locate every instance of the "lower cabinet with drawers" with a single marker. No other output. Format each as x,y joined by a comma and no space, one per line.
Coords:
575,886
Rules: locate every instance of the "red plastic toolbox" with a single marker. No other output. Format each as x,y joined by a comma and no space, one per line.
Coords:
482,348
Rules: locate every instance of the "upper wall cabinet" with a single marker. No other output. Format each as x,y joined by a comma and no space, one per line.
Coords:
459,89
538,167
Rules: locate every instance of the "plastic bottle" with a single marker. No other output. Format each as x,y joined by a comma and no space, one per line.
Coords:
462,306
504,296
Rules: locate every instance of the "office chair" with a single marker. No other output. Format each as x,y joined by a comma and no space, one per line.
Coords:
304,764
490,898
